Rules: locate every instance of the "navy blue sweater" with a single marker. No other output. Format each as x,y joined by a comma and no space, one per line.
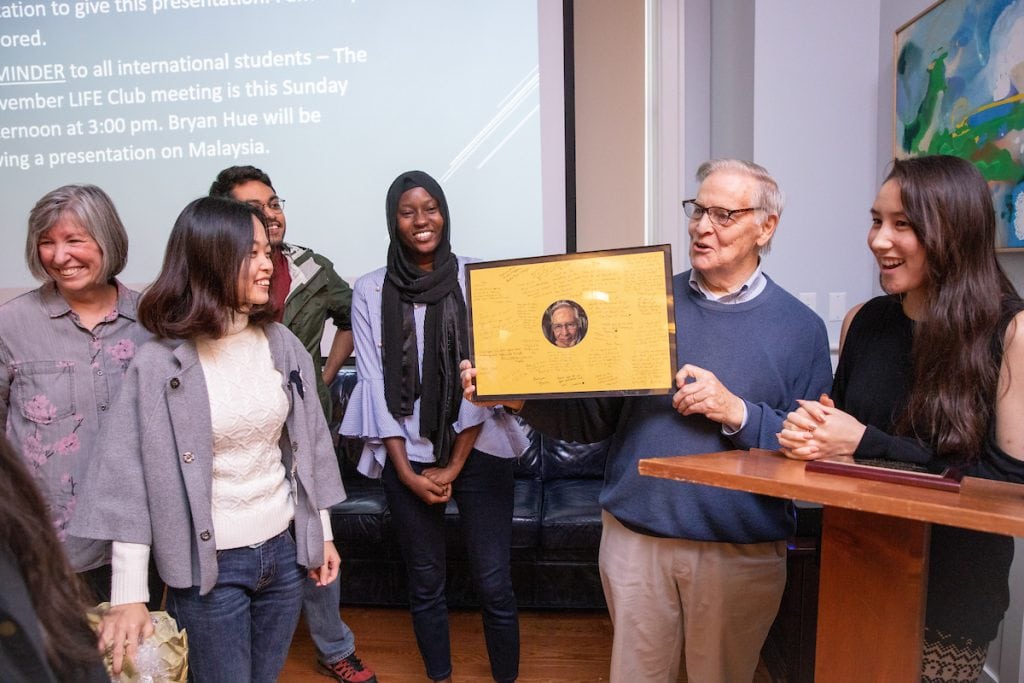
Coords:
770,351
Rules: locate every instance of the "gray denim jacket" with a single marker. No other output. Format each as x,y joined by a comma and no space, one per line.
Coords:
151,476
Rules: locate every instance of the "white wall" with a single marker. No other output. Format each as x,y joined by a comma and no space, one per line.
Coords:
732,78
815,97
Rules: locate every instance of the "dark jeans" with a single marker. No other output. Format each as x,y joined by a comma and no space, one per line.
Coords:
483,492
241,630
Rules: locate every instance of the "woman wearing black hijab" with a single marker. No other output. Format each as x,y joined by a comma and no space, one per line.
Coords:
422,439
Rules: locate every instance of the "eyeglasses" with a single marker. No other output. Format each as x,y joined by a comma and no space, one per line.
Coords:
565,327
718,216
275,205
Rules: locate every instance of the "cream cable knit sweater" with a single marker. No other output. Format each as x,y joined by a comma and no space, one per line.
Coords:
248,407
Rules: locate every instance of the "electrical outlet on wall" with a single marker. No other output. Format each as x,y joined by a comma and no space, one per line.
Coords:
836,306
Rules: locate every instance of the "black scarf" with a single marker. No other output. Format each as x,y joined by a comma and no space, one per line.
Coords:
444,330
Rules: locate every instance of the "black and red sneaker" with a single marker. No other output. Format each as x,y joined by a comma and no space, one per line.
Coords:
348,670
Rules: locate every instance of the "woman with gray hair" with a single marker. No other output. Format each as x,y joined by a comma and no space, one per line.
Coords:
64,349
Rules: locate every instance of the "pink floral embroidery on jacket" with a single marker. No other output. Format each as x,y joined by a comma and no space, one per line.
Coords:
34,451
123,352
69,444
39,409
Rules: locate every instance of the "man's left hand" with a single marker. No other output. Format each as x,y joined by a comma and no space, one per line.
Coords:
700,393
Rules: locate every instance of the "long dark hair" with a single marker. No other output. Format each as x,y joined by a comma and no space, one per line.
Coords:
196,292
56,592
957,349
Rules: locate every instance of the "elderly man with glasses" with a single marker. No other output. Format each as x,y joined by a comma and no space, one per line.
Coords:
685,565
307,292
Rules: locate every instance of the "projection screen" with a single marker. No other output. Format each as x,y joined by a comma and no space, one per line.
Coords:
149,99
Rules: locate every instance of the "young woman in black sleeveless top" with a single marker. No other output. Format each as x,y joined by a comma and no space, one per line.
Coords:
932,374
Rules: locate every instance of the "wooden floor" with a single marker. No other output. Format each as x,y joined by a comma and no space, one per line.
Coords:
570,647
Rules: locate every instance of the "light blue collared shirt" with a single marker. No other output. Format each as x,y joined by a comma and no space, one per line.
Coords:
754,285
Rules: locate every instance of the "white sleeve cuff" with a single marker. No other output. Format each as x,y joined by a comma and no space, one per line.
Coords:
325,522
130,570
743,423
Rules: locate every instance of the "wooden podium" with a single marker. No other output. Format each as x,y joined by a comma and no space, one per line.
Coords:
874,550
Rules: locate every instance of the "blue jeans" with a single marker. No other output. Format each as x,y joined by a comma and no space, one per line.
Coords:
333,638
484,494
242,629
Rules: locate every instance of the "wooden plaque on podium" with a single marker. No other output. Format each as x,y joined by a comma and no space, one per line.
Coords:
886,470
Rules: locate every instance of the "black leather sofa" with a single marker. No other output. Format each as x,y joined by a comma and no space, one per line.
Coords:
556,530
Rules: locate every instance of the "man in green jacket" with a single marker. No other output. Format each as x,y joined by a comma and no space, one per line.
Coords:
308,292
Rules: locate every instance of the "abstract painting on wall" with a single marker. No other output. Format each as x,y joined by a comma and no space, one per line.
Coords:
960,91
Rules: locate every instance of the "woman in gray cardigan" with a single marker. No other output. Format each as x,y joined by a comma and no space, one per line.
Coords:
216,459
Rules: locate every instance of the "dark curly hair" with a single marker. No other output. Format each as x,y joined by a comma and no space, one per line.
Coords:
233,176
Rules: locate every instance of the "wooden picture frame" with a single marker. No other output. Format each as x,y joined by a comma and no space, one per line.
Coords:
587,324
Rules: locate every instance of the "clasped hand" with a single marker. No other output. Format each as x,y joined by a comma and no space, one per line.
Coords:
430,486
817,429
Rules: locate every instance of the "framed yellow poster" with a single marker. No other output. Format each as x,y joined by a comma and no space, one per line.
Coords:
589,324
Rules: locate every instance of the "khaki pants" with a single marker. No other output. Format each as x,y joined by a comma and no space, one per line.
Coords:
719,599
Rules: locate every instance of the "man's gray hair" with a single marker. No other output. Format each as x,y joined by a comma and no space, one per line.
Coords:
564,303
768,196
